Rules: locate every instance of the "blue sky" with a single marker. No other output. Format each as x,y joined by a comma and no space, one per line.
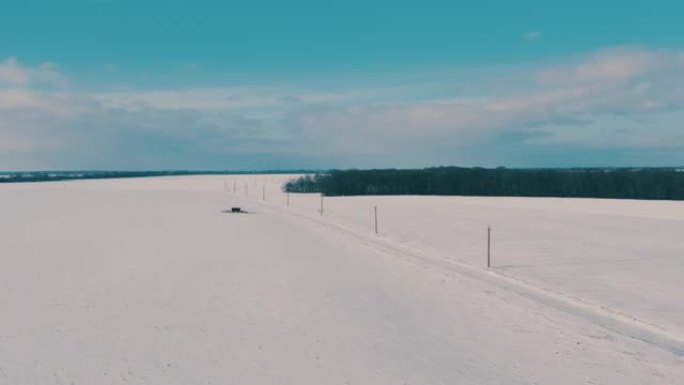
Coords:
119,84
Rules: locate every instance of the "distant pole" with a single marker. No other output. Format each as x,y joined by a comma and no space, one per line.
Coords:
246,191
263,193
321,204
376,219
234,187
288,199
225,186
489,246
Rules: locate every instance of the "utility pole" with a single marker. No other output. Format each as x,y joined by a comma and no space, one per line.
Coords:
288,199
376,219
489,246
321,204
234,186
246,191
263,193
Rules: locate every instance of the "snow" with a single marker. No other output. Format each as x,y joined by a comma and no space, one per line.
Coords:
146,281
624,255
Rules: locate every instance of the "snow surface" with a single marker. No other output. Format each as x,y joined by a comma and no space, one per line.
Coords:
146,281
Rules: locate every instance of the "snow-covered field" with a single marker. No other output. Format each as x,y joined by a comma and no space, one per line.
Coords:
145,281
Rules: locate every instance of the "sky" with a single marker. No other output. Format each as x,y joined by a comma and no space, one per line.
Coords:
257,85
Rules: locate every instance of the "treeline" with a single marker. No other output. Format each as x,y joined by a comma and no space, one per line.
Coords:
53,176
650,183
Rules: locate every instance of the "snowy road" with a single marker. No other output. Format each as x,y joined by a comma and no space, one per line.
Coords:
139,282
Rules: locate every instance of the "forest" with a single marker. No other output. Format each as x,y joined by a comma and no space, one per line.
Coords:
54,176
618,183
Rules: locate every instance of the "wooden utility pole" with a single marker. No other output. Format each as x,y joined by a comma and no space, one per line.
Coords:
489,246
263,193
288,199
321,204
375,209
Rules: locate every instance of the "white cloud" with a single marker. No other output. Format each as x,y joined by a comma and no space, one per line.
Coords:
533,35
14,74
619,64
56,103
571,104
